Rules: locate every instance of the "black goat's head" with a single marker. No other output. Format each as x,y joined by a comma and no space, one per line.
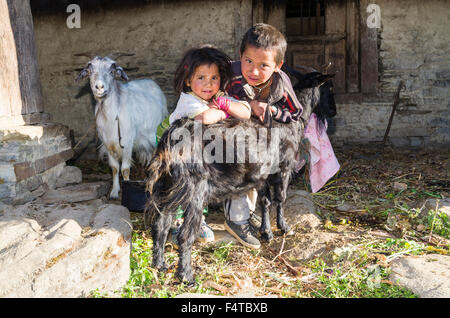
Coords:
315,89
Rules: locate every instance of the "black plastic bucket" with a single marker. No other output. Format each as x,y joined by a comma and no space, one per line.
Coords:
134,196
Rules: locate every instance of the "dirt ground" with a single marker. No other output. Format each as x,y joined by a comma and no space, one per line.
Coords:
357,205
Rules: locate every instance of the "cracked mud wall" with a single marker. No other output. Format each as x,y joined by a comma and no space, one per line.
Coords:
158,32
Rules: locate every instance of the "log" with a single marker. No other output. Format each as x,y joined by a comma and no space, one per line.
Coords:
20,90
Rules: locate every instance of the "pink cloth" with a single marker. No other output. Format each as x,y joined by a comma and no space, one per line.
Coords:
323,162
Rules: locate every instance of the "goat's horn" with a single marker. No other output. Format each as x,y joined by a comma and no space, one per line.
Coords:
325,67
306,68
116,55
87,54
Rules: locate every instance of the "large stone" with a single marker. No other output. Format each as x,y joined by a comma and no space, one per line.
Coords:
427,276
31,156
63,250
300,210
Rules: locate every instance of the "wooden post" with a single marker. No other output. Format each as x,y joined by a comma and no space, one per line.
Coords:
369,54
20,91
352,43
335,52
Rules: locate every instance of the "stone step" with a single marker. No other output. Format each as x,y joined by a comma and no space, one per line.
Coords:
12,152
33,132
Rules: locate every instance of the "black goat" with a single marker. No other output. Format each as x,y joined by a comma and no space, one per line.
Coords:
176,178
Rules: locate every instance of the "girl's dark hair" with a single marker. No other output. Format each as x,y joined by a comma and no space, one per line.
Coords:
267,37
205,55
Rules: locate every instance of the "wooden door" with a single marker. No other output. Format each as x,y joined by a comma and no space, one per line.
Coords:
325,31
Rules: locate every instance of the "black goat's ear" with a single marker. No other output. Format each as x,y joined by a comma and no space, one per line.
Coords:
83,74
121,73
289,70
323,78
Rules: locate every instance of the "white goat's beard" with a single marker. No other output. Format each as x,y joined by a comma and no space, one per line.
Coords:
102,95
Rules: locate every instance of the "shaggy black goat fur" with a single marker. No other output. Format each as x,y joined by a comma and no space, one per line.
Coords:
174,179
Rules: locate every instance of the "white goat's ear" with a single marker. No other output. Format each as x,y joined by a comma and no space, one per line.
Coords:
83,74
121,73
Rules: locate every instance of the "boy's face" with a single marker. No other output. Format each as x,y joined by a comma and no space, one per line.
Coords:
258,65
205,82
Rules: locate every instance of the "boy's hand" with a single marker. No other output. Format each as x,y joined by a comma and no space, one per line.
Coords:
258,109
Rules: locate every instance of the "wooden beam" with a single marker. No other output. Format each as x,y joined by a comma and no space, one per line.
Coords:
20,91
335,52
352,43
257,11
369,53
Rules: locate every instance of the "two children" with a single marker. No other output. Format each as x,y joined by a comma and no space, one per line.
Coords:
255,83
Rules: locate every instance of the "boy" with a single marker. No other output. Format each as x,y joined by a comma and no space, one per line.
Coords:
258,79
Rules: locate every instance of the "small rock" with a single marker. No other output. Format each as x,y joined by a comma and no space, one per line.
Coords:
69,175
420,227
76,193
443,206
398,186
345,207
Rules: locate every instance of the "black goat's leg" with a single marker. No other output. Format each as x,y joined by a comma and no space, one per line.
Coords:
186,237
160,230
265,202
280,194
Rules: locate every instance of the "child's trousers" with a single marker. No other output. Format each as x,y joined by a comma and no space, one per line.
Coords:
238,210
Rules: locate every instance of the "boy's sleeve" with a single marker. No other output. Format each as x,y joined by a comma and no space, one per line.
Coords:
282,115
235,90
288,108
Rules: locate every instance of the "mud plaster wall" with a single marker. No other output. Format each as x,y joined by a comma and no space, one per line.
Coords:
414,46
158,34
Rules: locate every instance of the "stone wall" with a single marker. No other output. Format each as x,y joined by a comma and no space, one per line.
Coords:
157,32
413,47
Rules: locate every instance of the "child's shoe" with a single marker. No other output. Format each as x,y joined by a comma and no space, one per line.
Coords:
206,234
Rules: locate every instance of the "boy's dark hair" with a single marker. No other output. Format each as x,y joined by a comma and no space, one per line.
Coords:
267,37
205,55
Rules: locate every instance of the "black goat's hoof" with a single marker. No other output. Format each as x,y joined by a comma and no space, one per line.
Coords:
187,279
266,237
163,269
160,267
285,229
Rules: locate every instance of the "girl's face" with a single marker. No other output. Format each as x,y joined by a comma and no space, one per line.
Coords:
205,82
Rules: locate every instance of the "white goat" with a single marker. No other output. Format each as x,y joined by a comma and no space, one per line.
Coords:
127,115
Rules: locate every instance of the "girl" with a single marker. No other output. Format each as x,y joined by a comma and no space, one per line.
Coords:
200,79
